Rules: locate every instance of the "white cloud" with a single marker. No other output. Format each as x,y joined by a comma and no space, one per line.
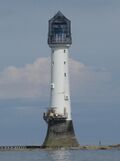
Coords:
29,81
33,80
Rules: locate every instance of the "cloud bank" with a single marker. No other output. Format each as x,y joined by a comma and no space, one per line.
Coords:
29,81
33,80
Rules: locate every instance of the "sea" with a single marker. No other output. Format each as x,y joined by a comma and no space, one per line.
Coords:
61,155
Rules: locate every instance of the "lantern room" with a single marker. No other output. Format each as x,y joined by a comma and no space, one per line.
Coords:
59,30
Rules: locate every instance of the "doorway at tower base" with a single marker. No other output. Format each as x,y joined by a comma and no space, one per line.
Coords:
60,134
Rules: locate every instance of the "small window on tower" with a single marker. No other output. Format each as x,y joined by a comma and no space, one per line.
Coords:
65,74
64,62
64,51
53,63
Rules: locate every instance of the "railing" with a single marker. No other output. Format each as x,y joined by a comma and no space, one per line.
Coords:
19,147
48,117
59,39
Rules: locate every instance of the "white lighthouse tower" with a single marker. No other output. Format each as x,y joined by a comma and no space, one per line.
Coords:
60,131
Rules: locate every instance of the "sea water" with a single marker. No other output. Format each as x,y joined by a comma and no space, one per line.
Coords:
61,155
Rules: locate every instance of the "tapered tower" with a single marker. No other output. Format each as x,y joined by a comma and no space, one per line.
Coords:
60,131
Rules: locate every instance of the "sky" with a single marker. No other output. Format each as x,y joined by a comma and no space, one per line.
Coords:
25,69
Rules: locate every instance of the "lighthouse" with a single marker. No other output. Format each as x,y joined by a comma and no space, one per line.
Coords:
60,132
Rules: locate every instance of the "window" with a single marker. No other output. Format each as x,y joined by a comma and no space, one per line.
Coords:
53,63
65,74
64,62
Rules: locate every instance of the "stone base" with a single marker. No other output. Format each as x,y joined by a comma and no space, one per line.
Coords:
60,134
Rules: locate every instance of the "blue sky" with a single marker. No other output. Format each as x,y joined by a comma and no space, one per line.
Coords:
94,67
